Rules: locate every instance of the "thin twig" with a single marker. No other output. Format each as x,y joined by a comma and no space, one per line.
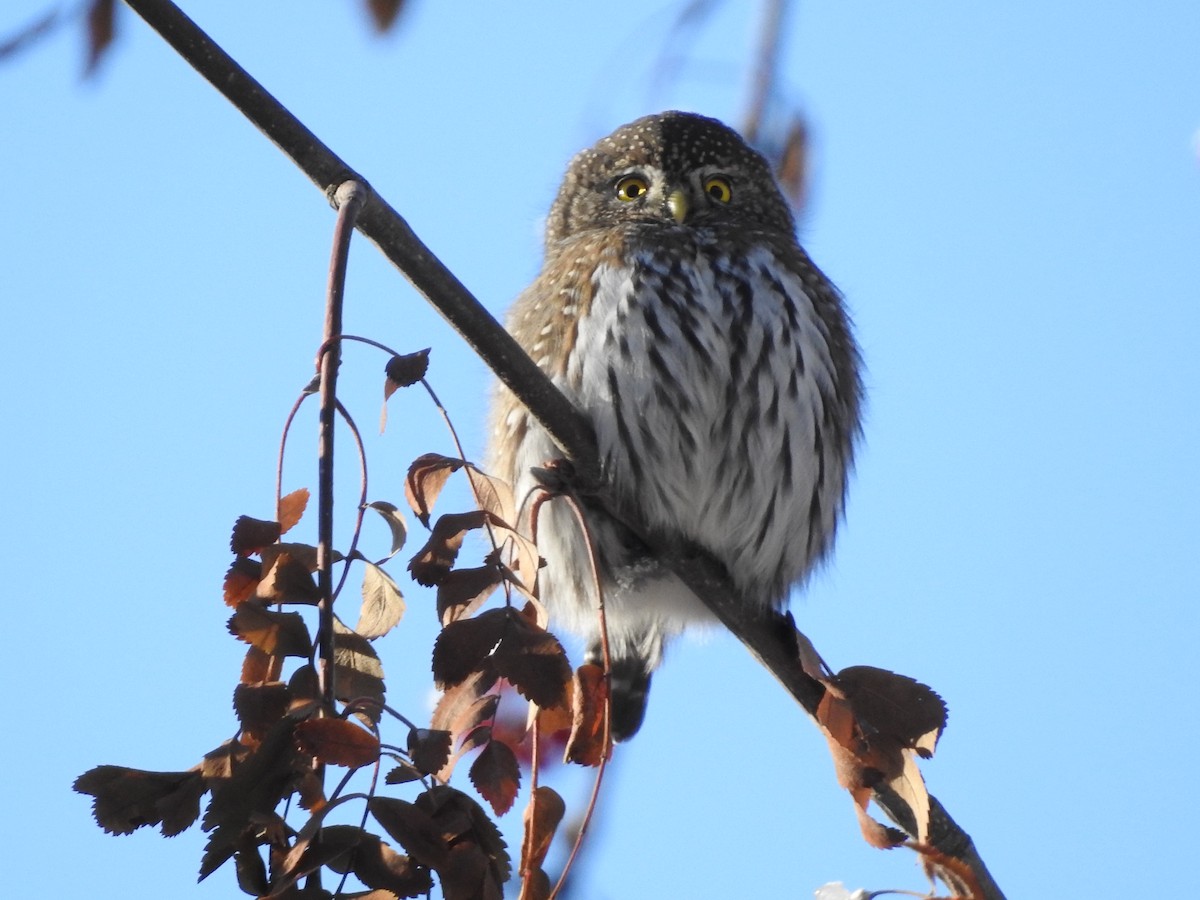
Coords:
350,197
766,62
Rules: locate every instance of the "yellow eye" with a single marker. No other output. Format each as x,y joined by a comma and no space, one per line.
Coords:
719,189
631,187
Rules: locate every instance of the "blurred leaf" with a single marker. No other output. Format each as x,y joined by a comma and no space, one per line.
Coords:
291,508
391,515
128,799
496,776
276,633
358,671
542,817
382,605
101,28
426,477
337,742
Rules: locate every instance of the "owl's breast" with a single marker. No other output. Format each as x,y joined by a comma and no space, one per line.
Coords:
708,378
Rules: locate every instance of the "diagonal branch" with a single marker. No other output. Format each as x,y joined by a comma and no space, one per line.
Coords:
771,637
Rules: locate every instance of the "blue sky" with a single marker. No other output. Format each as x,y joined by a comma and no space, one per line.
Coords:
1008,195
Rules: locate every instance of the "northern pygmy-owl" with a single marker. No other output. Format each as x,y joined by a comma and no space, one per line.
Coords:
716,363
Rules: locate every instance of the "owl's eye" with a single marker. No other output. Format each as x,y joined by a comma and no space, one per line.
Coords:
719,189
631,187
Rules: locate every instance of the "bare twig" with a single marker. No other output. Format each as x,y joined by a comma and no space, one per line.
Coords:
766,61
770,637
350,197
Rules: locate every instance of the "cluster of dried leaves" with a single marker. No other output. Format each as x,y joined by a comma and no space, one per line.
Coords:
328,711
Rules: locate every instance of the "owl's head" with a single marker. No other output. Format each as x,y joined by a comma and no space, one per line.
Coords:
673,170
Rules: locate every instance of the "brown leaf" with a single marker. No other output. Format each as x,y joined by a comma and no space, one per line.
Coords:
219,764
895,705
286,575
101,27
586,745
462,591
382,604
380,867
433,561
403,774
413,828
337,742
532,660
127,799
493,494
466,823
241,580
542,817
291,509
394,521
251,535
497,776
404,370
258,667
463,646
429,749
383,15
358,673
426,477
304,689
259,706
277,633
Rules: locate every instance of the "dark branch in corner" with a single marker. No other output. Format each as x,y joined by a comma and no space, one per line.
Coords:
770,638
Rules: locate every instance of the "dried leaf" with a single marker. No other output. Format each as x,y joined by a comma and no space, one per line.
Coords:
127,799
493,494
101,27
542,817
395,522
259,706
276,633
382,606
291,509
462,646
404,370
426,477
286,575
429,749
358,673
895,705
463,591
251,535
463,818
259,667
383,15
403,774
586,745
337,742
497,776
380,867
532,660
433,561
304,689
413,828
241,580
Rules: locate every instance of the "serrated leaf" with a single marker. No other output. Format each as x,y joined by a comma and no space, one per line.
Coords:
429,749
462,646
337,742
462,591
413,828
394,521
241,580
251,535
404,370
358,673
259,706
497,776
128,799
382,605
426,477
274,633
291,509
532,660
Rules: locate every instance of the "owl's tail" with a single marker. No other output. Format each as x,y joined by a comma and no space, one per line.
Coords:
630,690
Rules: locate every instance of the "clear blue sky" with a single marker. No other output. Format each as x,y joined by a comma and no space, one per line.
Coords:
1008,194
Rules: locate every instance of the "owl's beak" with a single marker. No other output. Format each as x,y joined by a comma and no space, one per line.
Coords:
678,205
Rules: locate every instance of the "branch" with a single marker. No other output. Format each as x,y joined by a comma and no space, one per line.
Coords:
770,637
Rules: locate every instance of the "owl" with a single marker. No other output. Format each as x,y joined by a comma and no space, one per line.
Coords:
677,311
